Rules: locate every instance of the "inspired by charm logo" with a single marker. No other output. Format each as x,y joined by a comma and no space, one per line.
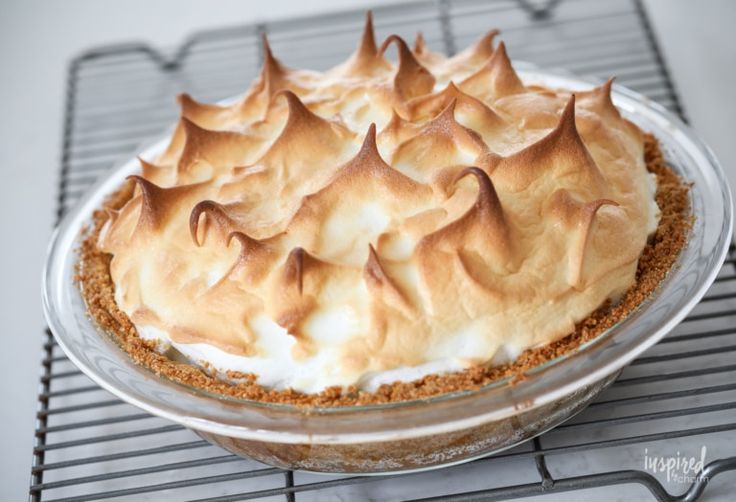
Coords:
678,468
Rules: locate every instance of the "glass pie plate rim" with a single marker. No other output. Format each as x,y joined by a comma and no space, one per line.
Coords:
101,359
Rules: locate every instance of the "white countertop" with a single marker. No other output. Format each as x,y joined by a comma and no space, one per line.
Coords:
38,38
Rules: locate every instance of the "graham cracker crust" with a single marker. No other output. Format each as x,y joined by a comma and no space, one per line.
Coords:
93,276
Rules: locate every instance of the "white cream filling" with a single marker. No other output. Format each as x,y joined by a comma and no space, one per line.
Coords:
277,369
280,371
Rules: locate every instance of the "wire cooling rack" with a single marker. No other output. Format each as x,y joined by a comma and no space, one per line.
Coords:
677,401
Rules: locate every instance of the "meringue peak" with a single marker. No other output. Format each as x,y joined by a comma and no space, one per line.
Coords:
368,163
487,203
305,139
254,260
274,77
367,47
293,271
480,51
380,283
461,64
203,114
561,152
482,228
305,125
431,60
495,79
366,60
299,115
369,168
153,172
599,99
440,142
397,130
578,217
273,72
218,117
247,243
444,124
420,45
411,78
220,150
426,107
214,211
384,194
159,204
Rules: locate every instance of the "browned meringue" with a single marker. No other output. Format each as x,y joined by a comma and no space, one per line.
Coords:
381,221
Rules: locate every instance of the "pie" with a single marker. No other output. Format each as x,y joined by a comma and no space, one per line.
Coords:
382,231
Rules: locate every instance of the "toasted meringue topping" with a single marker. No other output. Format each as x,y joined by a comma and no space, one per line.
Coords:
282,236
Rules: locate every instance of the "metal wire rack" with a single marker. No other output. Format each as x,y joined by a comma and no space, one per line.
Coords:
677,399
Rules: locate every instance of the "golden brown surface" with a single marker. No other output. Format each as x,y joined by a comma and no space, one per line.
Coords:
382,220
656,260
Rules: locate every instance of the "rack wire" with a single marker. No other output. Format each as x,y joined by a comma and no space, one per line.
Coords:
678,398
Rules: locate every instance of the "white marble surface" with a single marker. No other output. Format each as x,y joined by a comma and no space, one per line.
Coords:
36,41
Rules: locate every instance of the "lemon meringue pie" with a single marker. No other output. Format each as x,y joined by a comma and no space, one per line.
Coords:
380,221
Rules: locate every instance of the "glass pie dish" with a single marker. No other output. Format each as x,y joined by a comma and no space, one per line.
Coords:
418,434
